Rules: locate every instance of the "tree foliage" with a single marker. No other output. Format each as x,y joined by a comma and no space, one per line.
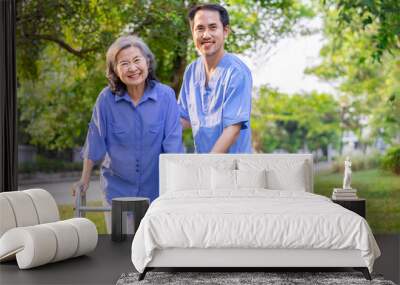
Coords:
379,19
391,160
61,48
369,90
294,122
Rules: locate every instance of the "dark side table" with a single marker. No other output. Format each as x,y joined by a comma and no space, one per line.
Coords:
137,205
356,205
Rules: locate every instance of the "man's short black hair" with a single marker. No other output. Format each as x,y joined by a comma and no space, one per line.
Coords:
223,14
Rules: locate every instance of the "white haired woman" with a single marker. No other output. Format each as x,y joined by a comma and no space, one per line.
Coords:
135,118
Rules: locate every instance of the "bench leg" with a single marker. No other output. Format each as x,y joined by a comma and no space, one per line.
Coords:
364,271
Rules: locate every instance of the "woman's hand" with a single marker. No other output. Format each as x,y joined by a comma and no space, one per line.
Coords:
80,185
83,183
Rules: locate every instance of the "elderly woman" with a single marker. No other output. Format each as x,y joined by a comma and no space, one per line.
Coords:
134,119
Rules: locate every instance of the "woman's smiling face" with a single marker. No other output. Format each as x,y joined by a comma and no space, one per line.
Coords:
132,66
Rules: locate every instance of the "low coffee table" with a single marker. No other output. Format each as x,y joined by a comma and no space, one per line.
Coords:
137,205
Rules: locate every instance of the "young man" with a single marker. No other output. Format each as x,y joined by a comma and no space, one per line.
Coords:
215,98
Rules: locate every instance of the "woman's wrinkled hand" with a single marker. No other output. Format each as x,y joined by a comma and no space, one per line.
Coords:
80,185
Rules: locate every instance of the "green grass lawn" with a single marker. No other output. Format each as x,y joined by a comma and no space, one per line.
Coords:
381,189
67,212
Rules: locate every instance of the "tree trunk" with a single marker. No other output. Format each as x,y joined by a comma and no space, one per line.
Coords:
179,69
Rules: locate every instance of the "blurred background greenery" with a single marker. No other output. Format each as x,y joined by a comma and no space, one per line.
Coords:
61,48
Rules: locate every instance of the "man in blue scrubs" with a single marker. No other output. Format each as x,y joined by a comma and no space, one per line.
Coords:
215,98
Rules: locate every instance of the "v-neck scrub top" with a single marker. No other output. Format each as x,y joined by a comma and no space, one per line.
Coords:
128,139
224,101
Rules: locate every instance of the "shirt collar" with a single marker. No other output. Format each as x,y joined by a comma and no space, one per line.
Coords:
124,97
201,70
149,93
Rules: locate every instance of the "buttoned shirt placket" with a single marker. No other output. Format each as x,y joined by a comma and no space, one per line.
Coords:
138,130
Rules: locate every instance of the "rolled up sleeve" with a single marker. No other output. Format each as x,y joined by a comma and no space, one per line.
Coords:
172,141
95,144
182,101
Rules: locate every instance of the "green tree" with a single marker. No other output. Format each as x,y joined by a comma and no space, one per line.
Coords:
294,122
369,89
378,19
61,49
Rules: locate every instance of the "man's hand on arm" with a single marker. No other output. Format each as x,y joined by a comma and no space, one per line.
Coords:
227,138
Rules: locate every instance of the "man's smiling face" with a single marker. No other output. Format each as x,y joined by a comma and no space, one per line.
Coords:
209,33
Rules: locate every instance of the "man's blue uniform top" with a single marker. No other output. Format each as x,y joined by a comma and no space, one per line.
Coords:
129,139
224,101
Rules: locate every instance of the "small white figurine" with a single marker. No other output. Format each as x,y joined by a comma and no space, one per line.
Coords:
347,174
